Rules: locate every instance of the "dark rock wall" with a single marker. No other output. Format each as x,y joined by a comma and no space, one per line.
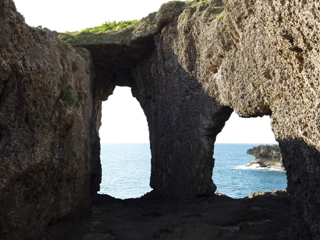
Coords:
46,134
202,60
262,58
183,122
302,164
271,66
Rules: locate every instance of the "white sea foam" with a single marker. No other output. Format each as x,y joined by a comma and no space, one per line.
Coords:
256,166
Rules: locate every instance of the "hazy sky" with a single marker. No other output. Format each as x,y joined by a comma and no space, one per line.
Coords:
74,15
123,119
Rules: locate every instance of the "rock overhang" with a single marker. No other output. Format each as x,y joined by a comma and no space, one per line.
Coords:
129,41
250,57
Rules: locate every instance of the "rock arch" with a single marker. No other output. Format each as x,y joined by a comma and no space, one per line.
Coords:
183,121
188,66
230,57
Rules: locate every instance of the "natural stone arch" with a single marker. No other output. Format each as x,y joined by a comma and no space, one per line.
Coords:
183,120
257,64
256,57
182,130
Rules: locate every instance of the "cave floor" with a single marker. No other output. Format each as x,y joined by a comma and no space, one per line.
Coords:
219,217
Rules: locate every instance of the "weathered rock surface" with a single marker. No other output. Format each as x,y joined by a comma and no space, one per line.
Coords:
189,69
268,156
260,217
46,133
183,121
266,59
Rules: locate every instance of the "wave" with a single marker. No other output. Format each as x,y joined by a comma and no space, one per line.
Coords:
256,166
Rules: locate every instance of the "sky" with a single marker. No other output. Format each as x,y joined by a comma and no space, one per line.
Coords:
75,15
127,123
122,117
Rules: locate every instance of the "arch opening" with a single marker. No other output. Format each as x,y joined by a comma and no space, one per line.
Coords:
125,149
235,174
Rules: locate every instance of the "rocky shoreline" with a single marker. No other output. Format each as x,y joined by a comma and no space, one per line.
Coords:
268,156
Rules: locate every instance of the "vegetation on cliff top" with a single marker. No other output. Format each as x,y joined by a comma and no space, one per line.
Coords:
104,32
41,31
210,11
113,26
109,31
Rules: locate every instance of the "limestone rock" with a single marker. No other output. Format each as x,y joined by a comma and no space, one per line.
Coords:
266,156
267,194
195,63
262,58
46,138
183,121
209,58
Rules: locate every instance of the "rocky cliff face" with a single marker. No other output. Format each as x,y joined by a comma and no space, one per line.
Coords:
256,57
189,65
263,58
46,107
266,156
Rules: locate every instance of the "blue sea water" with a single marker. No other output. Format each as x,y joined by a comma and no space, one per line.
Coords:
236,180
126,171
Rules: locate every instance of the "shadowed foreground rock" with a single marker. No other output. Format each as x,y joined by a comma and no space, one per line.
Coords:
189,65
261,217
47,128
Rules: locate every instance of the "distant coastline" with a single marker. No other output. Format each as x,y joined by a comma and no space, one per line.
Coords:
266,156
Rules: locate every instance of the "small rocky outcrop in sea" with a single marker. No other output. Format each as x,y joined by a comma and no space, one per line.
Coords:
267,156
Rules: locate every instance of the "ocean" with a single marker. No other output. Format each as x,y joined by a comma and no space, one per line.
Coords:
126,171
